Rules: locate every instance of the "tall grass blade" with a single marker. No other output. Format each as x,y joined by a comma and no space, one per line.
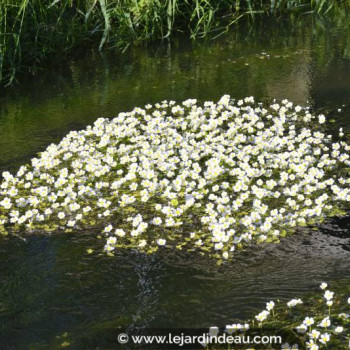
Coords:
107,25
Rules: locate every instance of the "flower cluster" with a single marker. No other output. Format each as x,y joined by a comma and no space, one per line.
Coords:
319,330
314,333
210,177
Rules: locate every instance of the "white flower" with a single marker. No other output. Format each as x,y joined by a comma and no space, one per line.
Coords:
338,329
301,328
108,229
325,338
294,302
323,285
229,329
321,119
262,316
61,215
314,334
120,232
71,223
157,221
328,295
225,255
325,322
329,303
308,321
6,203
270,305
161,241
109,248
111,240
218,246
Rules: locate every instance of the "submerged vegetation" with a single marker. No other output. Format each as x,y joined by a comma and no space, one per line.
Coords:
210,178
31,31
318,322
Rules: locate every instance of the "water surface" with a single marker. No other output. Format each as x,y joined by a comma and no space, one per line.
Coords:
50,286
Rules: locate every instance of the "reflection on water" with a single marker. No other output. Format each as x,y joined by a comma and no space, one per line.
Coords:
50,285
301,63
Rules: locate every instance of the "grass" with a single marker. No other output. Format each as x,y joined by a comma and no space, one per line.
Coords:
34,30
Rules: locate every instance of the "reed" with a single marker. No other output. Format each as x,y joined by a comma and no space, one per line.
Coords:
33,30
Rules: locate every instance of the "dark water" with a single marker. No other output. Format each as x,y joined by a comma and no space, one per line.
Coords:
52,291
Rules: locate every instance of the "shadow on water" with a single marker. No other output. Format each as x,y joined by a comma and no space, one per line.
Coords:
50,286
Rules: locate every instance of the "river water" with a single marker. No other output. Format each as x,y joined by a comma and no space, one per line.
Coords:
51,290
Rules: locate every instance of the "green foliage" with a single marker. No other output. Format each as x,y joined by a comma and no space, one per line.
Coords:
33,30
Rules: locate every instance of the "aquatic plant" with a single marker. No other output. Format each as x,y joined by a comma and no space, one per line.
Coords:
316,325
211,178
